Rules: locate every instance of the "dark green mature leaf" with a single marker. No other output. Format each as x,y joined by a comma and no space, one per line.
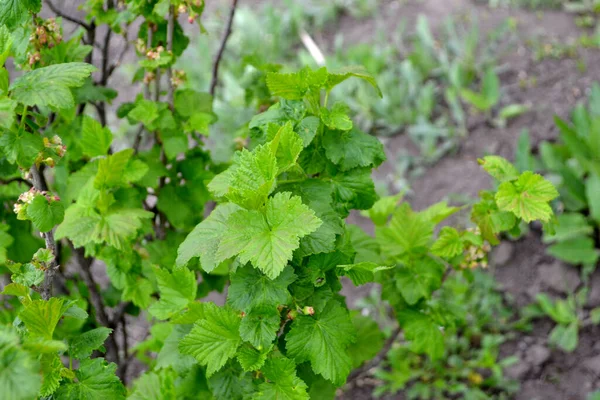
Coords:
251,359
363,272
50,86
96,379
250,289
423,332
21,147
353,149
283,382
369,340
214,339
323,340
84,344
354,189
45,214
268,239
579,250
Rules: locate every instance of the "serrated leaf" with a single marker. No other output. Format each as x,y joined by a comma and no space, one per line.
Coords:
283,382
307,129
408,232
96,379
6,41
19,372
353,149
45,214
155,386
112,169
95,139
338,76
204,240
138,291
189,102
51,367
527,197
7,112
323,340
369,340
337,118
250,289
295,85
15,289
177,289
499,168
50,86
423,332
250,358
267,239
84,344
145,111
448,244
21,147
286,145
569,226
214,339
354,189
41,317
384,208
16,12
579,250
419,278
260,326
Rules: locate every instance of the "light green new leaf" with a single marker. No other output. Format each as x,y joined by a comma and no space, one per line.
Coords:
295,85
44,213
361,273
323,340
268,239
337,118
283,382
204,240
138,290
95,139
177,289
51,369
16,12
6,41
96,379
7,112
19,371
419,278
250,289
339,75
21,147
252,177
527,197
307,129
84,344
353,149
407,232
423,332
592,192
565,336
286,145
383,208
448,244
250,358
260,326
499,168
214,339
50,86
41,317
112,169
188,102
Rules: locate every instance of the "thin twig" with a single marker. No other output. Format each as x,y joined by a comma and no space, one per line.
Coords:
360,372
39,182
59,13
170,32
11,180
226,34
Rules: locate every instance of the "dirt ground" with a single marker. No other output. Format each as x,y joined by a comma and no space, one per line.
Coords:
522,268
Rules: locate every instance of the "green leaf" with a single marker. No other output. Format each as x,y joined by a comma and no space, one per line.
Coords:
268,239
7,112
337,118
145,111
51,368
354,189
363,272
177,289
423,332
283,382
418,279
565,336
250,289
250,358
569,226
50,86
527,197
84,344
260,326
499,168
21,147
45,214
448,244
112,169
188,102
252,177
15,289
383,208
408,232
16,12
95,139
6,41
369,340
138,291
323,339
580,250
307,129
204,240
19,372
338,76
214,339
353,149
96,379
592,192
41,317
286,145
295,85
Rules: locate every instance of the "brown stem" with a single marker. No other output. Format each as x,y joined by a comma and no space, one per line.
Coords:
170,32
59,13
226,34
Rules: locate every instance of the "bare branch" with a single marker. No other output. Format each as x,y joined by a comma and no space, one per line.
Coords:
226,34
59,13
